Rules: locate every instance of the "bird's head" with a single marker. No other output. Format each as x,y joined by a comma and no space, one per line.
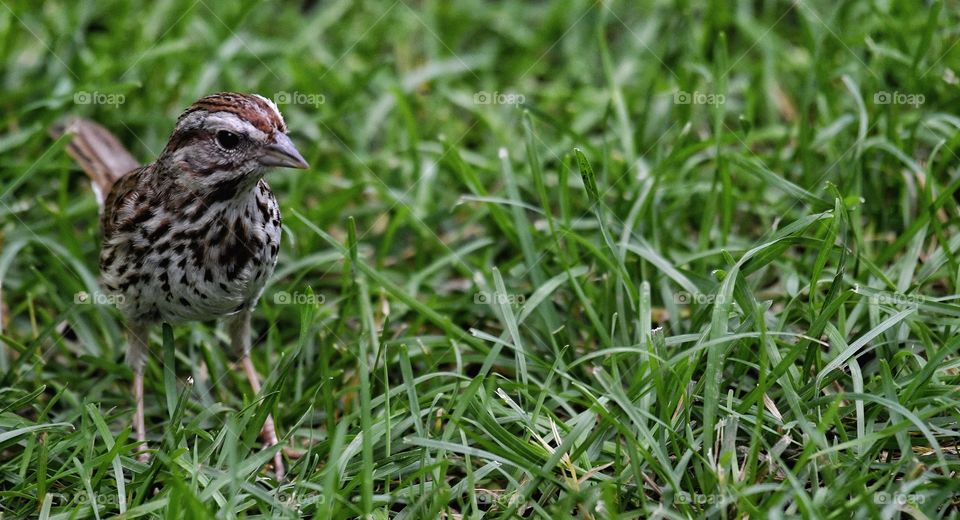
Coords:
229,139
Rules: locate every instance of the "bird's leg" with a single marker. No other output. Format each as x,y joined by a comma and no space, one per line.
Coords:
239,329
137,359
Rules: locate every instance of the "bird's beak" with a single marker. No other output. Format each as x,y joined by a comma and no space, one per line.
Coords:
282,153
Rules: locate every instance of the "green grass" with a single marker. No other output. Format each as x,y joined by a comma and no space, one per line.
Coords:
605,302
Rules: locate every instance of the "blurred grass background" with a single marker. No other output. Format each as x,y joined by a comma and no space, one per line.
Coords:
735,298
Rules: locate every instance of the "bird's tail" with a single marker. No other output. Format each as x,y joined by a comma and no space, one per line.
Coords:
98,152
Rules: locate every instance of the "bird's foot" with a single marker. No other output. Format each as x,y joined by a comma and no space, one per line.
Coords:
292,453
269,436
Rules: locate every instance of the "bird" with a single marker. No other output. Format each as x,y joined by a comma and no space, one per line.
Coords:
194,235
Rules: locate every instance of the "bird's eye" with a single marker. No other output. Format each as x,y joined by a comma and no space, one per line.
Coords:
228,140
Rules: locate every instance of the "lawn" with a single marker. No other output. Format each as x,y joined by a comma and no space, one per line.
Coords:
552,259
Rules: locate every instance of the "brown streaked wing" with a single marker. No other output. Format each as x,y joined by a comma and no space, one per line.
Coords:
122,189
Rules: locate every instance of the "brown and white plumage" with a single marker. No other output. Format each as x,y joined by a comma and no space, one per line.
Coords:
195,235
98,152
